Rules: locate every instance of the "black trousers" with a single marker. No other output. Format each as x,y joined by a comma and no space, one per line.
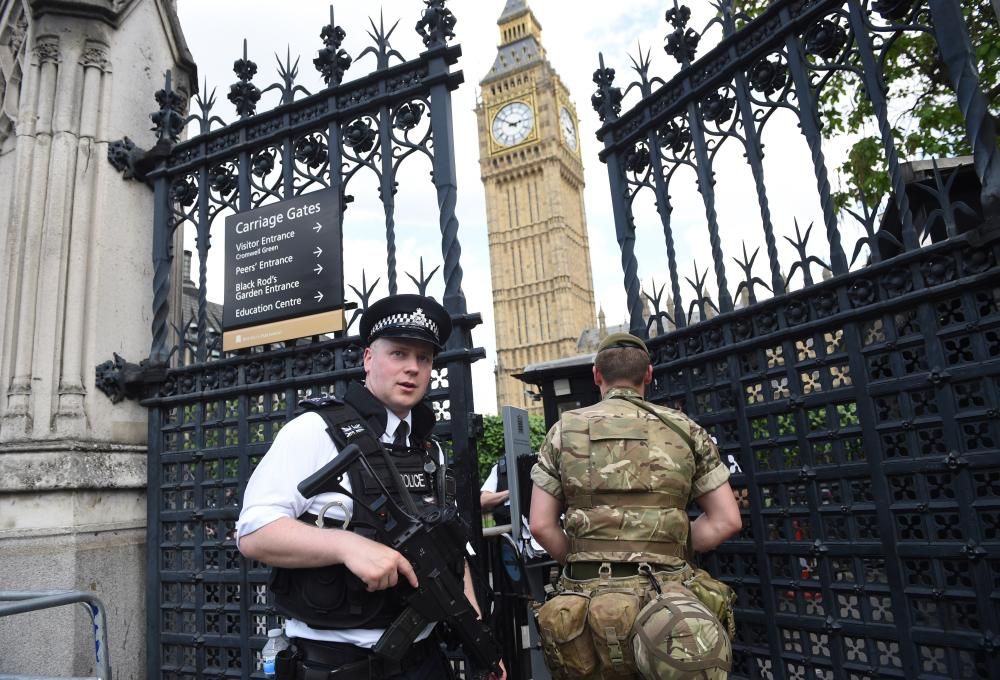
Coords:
425,660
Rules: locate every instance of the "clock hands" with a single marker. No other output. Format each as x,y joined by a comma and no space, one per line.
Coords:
512,123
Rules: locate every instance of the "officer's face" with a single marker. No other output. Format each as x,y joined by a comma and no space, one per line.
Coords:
399,372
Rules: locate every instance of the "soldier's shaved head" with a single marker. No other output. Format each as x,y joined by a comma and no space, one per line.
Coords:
623,365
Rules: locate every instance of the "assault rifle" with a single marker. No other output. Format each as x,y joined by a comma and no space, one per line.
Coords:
431,540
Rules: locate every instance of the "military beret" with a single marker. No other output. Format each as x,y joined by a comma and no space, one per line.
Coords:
414,317
621,340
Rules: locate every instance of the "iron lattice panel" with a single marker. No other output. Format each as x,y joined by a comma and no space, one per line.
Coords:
213,606
860,409
868,445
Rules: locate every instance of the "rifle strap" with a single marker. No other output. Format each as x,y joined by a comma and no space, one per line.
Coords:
346,426
646,406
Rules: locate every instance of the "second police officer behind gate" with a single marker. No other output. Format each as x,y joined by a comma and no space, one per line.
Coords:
624,471
494,496
338,588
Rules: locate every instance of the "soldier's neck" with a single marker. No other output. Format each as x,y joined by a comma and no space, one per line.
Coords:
640,389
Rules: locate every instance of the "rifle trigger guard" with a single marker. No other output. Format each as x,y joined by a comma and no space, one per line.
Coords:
321,516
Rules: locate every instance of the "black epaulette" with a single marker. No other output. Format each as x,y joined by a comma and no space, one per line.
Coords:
321,401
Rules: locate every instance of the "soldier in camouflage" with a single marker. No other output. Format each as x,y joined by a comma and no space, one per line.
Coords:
623,472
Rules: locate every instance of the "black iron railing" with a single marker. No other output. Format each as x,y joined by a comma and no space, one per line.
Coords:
213,414
858,410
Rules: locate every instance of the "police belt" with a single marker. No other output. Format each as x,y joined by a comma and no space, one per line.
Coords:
581,571
343,661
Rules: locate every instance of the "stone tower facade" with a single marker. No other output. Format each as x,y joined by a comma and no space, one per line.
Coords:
75,289
531,167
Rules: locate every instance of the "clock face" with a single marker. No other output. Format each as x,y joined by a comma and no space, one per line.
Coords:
567,127
513,123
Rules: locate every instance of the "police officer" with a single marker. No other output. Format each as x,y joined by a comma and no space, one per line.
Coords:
623,471
337,587
494,494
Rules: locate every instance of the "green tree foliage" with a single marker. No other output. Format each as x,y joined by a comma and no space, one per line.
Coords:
491,448
925,117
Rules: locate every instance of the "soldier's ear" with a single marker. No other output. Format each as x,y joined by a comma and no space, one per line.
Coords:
598,378
648,378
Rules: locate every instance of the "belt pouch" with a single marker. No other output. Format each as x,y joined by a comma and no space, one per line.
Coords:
285,662
566,639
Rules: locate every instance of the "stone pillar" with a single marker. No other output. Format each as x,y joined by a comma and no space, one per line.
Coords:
75,287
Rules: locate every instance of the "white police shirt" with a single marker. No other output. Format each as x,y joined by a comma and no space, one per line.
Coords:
301,448
528,544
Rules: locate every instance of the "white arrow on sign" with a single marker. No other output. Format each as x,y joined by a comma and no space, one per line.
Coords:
318,297
318,251
318,269
318,227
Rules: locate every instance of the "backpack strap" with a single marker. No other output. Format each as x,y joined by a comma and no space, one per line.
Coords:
646,406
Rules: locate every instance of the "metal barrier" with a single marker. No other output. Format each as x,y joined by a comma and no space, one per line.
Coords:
20,602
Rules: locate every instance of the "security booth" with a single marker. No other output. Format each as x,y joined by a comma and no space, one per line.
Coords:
562,384
925,180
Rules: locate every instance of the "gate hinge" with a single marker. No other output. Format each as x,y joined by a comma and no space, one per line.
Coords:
120,379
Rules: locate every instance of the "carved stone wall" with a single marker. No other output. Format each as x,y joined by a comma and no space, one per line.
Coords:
75,268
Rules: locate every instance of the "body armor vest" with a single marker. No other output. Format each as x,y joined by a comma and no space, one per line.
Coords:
331,597
501,513
627,479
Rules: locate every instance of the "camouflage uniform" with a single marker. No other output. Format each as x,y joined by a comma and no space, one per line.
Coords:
625,479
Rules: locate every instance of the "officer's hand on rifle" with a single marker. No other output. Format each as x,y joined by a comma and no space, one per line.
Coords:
378,565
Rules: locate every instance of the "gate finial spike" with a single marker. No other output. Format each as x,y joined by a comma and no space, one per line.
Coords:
331,61
244,94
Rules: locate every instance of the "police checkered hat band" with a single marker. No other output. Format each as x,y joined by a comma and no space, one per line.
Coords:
408,316
415,320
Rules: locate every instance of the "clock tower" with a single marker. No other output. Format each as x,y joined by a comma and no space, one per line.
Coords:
530,164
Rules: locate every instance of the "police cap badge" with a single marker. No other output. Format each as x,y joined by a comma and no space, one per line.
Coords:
414,317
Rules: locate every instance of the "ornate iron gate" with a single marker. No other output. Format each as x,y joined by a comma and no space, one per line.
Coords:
213,414
860,411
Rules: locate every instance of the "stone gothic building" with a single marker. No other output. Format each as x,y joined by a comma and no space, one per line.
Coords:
532,172
75,276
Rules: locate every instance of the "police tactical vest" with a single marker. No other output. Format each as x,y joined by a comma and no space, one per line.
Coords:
501,513
332,597
627,473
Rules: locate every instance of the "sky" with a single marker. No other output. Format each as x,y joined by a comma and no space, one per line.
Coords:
573,39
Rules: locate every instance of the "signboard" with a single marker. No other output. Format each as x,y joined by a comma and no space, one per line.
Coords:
284,272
